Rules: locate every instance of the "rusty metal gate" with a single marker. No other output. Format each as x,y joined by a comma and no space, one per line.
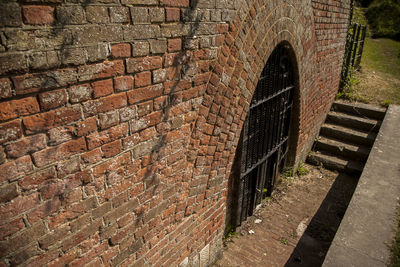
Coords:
264,137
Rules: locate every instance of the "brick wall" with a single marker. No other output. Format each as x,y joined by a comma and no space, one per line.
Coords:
119,120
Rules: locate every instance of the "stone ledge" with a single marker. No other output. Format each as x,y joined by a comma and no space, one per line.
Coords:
367,229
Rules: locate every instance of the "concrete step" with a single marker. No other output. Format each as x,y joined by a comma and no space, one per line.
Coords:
347,135
353,121
345,150
359,109
335,163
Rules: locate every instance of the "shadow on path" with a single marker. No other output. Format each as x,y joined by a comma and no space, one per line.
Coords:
317,238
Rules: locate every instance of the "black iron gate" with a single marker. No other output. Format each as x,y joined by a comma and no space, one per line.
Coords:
264,138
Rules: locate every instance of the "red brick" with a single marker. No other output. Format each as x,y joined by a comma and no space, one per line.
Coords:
65,259
51,119
59,152
222,28
172,14
44,210
38,15
37,179
145,93
102,88
112,149
53,99
121,50
16,108
143,64
11,227
27,145
86,126
174,45
123,83
5,88
18,205
117,132
84,176
143,79
175,3
106,69
67,167
92,156
104,104
10,131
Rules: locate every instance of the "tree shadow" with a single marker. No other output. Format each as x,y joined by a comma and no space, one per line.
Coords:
317,238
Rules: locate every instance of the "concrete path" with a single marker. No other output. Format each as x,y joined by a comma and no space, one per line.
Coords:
367,229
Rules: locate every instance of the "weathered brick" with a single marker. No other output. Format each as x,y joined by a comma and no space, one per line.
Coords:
158,46
60,135
11,227
16,108
80,93
92,156
68,167
86,126
140,49
141,31
8,192
145,93
159,75
101,70
123,83
13,62
172,14
10,14
97,139
121,50
38,15
106,120
156,14
53,237
97,14
139,14
30,83
74,56
53,99
27,145
37,179
10,131
102,88
70,15
50,119
19,205
44,210
143,64
175,3
59,152
81,235
5,88
104,104
119,14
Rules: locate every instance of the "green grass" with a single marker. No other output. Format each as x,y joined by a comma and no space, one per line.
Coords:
382,55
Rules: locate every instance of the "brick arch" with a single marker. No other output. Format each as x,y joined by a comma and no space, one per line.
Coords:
235,75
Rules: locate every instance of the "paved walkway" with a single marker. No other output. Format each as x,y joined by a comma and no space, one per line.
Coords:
297,225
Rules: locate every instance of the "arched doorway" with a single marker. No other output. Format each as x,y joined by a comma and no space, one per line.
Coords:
264,140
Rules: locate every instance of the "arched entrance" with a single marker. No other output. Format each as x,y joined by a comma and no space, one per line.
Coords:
264,140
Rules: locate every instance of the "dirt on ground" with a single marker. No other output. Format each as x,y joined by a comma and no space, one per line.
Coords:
295,226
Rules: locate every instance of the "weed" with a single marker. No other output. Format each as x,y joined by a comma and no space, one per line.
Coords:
287,172
386,103
230,232
302,170
284,241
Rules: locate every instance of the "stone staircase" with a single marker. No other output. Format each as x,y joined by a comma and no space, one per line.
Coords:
346,137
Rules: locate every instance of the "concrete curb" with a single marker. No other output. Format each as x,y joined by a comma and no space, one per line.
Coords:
367,229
